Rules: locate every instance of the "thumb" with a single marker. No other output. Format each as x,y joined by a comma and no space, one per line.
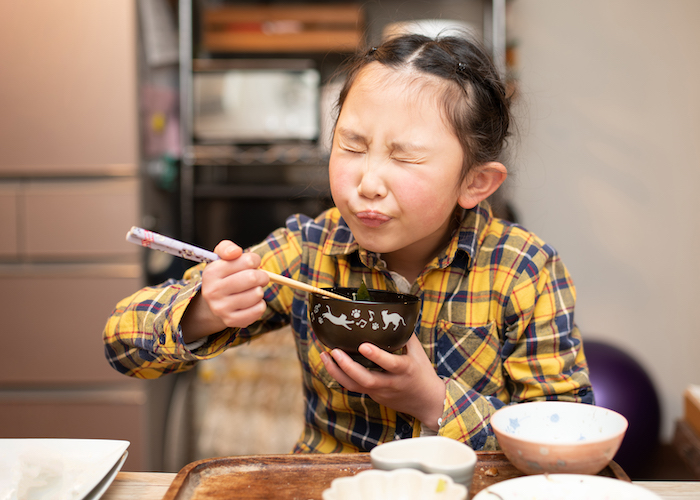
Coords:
228,250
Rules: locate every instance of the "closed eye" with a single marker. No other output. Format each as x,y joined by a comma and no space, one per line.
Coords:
350,141
413,161
413,153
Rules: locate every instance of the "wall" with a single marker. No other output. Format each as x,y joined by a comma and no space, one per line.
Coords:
607,170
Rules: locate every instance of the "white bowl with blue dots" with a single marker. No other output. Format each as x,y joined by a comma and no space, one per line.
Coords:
558,437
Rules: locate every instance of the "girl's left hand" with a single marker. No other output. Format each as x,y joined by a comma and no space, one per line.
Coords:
408,385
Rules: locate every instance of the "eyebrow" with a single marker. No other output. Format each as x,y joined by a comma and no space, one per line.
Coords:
350,135
401,147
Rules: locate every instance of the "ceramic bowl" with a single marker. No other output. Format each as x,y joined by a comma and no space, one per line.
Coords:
554,436
402,484
431,454
386,321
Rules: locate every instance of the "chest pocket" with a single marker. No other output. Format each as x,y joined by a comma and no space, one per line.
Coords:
470,355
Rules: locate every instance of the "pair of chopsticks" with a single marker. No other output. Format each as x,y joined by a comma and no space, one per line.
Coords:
172,246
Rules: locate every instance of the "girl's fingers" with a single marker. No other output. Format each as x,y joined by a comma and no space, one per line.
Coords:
235,300
244,317
243,281
237,275
363,380
379,356
228,250
330,362
414,348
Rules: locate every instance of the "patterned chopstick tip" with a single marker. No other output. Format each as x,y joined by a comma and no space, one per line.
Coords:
156,241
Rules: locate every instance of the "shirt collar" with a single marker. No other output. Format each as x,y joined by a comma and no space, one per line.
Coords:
466,238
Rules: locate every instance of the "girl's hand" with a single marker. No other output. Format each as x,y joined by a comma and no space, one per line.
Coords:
231,294
409,384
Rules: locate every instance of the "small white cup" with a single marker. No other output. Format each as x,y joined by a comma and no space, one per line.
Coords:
431,454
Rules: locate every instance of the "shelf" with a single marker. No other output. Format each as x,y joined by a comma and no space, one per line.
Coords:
293,64
282,28
268,191
236,35
268,154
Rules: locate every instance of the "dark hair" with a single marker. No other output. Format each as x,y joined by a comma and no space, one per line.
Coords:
476,105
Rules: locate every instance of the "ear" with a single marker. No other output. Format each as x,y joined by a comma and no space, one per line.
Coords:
481,182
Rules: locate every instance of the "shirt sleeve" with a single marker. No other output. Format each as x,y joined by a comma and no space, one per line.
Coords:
541,355
143,337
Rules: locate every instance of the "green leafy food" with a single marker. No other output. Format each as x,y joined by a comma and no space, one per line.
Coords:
362,293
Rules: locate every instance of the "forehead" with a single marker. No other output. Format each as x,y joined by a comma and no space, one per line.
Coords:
405,87
405,79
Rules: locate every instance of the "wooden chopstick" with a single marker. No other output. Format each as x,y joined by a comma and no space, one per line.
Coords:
298,285
178,248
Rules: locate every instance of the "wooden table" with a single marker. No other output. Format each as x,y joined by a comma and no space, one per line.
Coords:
153,485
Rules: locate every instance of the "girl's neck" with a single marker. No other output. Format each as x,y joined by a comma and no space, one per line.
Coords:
406,268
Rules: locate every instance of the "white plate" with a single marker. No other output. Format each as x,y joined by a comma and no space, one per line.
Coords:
565,487
102,486
58,469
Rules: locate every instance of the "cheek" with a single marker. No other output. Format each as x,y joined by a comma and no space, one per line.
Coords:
414,192
340,178
425,200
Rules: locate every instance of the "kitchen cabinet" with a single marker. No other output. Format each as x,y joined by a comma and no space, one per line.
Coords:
79,218
70,188
8,222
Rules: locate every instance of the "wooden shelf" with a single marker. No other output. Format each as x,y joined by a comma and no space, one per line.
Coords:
282,28
269,154
269,191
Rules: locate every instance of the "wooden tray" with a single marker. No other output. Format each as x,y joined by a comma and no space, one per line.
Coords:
305,476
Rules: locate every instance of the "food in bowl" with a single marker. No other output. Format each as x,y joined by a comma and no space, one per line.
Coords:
403,484
387,320
558,437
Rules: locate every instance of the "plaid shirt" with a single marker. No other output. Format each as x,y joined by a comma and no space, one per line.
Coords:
496,322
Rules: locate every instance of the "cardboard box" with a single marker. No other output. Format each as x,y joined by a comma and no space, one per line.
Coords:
687,444
691,400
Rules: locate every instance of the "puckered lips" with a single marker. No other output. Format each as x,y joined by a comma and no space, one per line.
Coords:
371,218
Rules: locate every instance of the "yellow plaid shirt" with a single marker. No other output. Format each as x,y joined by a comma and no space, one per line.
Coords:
496,322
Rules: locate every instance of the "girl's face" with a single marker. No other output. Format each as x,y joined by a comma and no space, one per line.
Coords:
395,166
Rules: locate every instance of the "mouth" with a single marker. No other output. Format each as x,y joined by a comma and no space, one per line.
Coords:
372,219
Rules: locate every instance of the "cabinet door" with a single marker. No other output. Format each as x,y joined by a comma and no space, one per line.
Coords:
53,317
68,87
9,195
79,219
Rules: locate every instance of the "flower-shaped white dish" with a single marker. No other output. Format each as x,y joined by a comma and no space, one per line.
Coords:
558,437
569,486
432,455
400,484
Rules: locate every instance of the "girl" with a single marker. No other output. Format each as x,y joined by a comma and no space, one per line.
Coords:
422,123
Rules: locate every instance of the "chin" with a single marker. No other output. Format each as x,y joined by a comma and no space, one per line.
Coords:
375,245
369,245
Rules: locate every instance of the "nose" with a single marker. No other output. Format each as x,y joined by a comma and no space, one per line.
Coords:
372,182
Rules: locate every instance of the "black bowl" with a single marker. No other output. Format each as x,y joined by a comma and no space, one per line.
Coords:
387,321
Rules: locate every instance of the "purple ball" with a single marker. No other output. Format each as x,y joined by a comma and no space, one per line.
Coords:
621,384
